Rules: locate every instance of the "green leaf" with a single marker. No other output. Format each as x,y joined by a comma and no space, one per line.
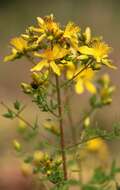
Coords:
9,114
30,135
73,182
99,176
90,187
17,105
28,159
114,169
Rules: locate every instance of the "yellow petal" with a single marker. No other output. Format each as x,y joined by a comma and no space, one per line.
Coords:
19,43
40,21
56,50
86,50
59,52
79,87
42,37
69,74
90,87
95,144
70,69
40,55
9,58
55,68
40,65
109,64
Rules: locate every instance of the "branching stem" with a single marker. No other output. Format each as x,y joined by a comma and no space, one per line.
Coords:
61,126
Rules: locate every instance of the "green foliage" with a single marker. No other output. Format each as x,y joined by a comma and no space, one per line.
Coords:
95,132
9,114
17,105
101,179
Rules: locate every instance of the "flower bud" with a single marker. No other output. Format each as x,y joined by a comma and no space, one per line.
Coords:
17,145
26,169
87,35
26,88
38,157
87,122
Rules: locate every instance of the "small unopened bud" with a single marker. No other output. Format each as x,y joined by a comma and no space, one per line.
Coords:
48,172
87,122
87,35
52,127
26,88
82,57
21,125
26,169
38,157
17,145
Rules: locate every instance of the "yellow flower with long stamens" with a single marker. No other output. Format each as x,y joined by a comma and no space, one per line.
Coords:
49,56
99,51
84,80
47,25
71,32
19,45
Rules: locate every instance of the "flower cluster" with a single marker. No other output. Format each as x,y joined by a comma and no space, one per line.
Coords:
67,51
61,57
44,163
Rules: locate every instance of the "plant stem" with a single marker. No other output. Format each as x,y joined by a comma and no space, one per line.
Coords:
74,76
86,140
61,127
74,137
17,115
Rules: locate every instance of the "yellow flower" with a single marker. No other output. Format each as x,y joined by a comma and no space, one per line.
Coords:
98,146
49,56
38,157
47,25
71,32
19,45
95,144
99,50
84,79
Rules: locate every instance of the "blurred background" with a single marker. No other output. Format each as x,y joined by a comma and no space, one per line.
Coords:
101,15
